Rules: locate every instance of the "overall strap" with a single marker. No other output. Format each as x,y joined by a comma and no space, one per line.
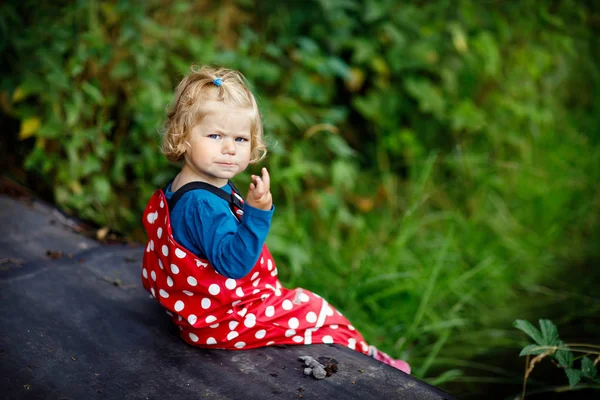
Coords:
228,197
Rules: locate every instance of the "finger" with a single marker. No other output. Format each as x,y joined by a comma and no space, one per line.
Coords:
266,178
252,187
260,186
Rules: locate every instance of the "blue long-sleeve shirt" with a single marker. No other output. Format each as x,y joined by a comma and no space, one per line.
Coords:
204,224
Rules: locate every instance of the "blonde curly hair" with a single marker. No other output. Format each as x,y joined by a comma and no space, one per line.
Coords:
190,105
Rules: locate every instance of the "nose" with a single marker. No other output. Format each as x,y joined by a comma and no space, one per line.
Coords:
228,146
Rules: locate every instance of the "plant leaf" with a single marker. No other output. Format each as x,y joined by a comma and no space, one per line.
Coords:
574,376
532,349
564,358
549,332
530,330
588,368
28,127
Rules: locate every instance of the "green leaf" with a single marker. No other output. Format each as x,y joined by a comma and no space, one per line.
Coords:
564,358
530,330
574,376
532,349
549,332
588,368
93,92
428,95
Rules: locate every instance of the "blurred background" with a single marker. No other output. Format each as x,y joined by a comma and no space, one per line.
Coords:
435,164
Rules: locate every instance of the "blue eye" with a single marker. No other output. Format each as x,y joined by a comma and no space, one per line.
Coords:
213,136
241,139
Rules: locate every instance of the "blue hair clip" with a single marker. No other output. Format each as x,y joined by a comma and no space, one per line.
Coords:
218,82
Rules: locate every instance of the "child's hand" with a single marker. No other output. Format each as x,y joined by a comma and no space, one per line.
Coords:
259,193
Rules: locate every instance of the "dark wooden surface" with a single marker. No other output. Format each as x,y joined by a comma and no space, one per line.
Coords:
77,324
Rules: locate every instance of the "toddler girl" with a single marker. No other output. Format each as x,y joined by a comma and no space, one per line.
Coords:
206,262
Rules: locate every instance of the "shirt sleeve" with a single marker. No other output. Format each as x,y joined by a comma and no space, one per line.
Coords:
231,247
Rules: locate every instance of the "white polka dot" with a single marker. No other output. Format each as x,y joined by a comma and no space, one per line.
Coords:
169,313
235,303
193,337
269,265
243,312
179,253
163,293
274,272
239,292
293,323
351,327
364,346
165,250
214,325
153,275
162,204
277,292
148,248
188,292
255,291
311,317
327,339
159,232
255,283
352,343
260,334
239,345
262,260
205,303
232,335
145,273
160,264
214,289
153,293
169,281
298,339
192,319
210,318
230,284
329,311
233,325
150,217
304,297
334,326
152,245
211,340
179,305
174,269
270,343
264,296
290,332
270,311
249,322
287,305
192,281
254,275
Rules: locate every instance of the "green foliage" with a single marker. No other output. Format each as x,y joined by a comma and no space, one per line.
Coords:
437,160
548,344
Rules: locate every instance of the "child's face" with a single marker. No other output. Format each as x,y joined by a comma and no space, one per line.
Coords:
220,145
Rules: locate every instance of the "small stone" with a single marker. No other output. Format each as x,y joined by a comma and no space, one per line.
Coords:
319,373
308,371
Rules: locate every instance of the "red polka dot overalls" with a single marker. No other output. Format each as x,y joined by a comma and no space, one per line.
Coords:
218,312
